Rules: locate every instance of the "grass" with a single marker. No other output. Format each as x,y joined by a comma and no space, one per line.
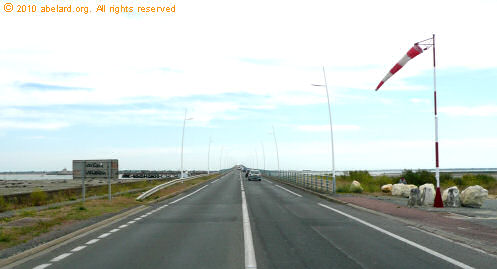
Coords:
39,197
13,233
179,187
372,184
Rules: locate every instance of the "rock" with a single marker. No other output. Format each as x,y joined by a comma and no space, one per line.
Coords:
414,197
451,197
402,189
398,189
427,192
473,196
356,186
386,188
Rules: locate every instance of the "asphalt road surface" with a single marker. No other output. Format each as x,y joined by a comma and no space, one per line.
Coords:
233,223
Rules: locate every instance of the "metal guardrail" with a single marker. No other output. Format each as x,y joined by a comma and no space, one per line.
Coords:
162,186
308,180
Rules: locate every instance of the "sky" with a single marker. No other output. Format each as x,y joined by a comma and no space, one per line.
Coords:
101,86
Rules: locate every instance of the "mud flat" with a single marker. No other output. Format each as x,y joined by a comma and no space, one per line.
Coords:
10,187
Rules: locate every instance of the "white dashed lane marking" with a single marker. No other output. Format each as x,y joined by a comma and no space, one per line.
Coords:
76,249
60,257
104,235
93,241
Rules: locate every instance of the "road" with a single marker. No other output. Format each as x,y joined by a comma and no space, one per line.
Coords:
282,227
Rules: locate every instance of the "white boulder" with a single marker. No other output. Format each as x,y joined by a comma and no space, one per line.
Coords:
451,198
427,193
356,186
386,188
402,189
473,196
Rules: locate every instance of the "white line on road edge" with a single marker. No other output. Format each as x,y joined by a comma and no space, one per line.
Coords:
42,266
60,257
425,249
123,226
250,261
288,190
215,180
131,221
177,200
104,235
76,249
114,230
93,241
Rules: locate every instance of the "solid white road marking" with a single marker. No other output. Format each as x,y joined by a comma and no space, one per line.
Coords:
123,226
265,180
60,257
177,200
76,249
288,190
42,266
104,235
113,230
215,180
418,246
93,241
250,261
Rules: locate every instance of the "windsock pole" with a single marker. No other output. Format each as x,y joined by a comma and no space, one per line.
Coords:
438,196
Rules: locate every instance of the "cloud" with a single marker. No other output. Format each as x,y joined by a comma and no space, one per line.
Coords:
33,125
41,86
467,111
326,128
420,101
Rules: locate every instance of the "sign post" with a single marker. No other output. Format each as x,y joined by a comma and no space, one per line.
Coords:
96,169
109,166
83,181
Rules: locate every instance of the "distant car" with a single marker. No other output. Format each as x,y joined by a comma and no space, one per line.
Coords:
254,175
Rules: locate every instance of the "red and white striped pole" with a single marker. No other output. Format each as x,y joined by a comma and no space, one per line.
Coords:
438,195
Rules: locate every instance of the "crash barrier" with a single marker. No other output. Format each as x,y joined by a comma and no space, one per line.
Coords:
164,185
317,182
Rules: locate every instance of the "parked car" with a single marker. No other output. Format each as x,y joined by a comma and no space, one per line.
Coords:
254,175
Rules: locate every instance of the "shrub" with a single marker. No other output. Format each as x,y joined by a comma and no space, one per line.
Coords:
343,188
27,213
4,237
38,197
361,176
3,204
419,178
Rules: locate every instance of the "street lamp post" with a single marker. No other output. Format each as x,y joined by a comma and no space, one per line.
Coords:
276,145
263,156
256,160
182,143
220,157
331,130
209,157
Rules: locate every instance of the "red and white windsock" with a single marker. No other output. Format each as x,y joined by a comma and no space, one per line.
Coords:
413,52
